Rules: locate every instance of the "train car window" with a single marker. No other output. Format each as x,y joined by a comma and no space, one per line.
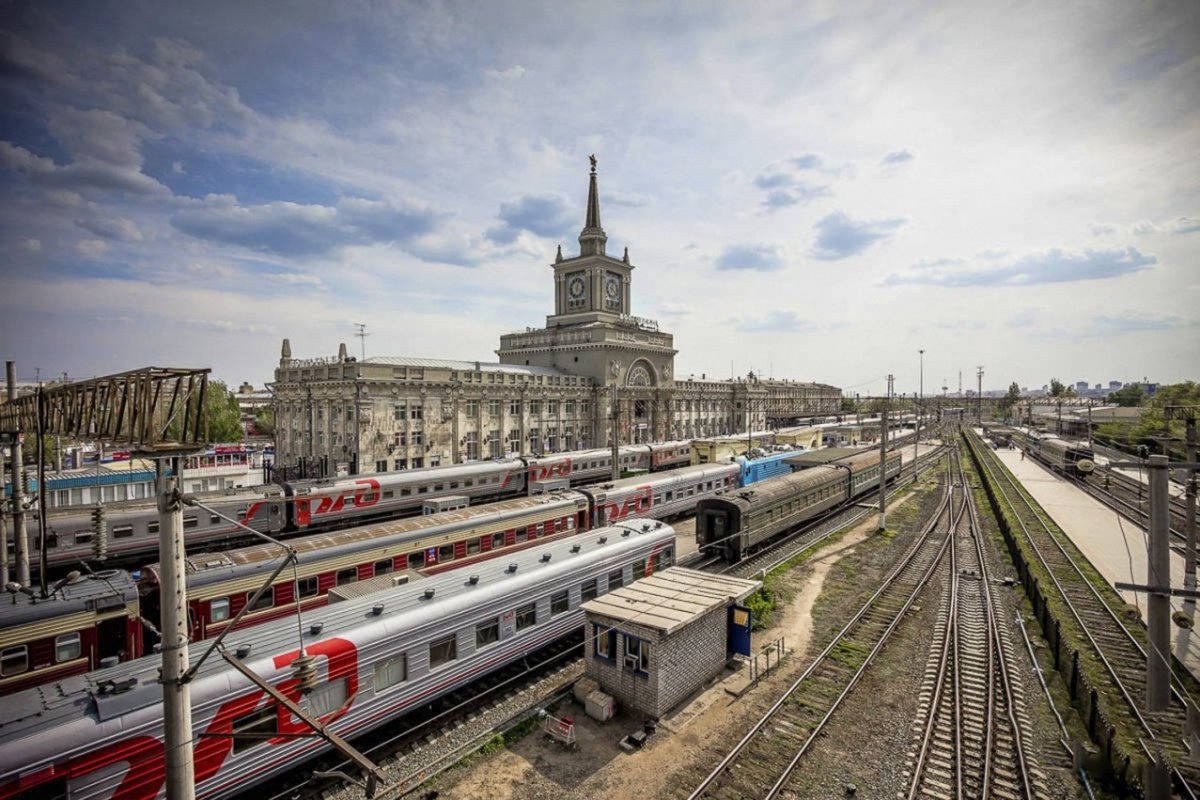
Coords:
214,519
526,616
218,609
255,728
14,660
391,672
559,603
327,697
348,575
67,647
522,535
639,568
241,515
405,492
416,559
468,483
122,531
383,567
443,651
82,537
587,591
473,546
190,522
388,494
422,489
152,526
454,484
615,580
497,540
487,633
307,587
446,552
51,540
265,600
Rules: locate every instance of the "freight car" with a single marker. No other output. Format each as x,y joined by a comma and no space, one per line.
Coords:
379,657
741,523
131,529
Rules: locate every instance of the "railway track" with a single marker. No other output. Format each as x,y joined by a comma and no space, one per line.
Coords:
761,764
969,734
1117,650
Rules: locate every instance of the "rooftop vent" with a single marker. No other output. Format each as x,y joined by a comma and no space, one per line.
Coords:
545,557
602,540
315,628
575,548
429,593
242,650
377,609
625,532
473,580
512,568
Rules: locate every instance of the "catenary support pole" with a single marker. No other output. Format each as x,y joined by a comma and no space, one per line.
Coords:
3,543
920,408
177,700
1158,672
1189,557
883,425
20,535
615,417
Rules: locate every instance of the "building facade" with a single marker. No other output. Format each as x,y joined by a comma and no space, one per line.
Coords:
593,368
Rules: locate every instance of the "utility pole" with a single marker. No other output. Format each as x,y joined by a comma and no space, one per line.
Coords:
1189,573
979,394
177,698
20,535
883,426
615,416
362,337
920,408
1158,616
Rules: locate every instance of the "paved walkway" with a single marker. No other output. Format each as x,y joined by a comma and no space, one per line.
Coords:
1115,546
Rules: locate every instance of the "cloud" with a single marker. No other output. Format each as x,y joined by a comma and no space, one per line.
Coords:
774,321
673,310
1120,324
799,193
786,185
1145,227
32,245
115,228
92,248
294,229
1186,225
547,215
511,74
1049,266
806,161
759,257
839,237
228,326
625,199
1101,228
896,158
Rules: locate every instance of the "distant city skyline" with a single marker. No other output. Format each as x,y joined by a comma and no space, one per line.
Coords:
808,192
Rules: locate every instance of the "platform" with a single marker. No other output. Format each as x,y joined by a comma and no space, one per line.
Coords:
1114,545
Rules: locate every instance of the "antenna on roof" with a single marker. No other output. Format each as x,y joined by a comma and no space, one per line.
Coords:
362,336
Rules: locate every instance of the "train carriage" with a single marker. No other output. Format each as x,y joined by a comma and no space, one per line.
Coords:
220,584
661,494
379,657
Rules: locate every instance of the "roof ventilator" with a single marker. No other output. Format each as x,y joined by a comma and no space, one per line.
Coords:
602,540
429,593
512,568
242,650
545,557
473,580
575,548
377,609
315,628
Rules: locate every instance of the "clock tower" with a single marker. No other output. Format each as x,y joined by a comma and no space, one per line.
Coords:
592,331
592,285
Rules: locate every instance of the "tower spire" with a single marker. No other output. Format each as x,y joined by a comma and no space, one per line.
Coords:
592,237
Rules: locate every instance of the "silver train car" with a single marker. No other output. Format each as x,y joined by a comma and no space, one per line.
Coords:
1072,458
738,524
100,735
131,528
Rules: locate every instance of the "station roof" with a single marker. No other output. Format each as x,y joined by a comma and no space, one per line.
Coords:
815,458
669,600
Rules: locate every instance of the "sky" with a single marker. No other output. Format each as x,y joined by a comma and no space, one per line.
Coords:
815,191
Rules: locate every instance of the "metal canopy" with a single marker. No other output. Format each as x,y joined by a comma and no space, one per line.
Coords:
153,409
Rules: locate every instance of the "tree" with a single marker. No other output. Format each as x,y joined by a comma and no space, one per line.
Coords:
1056,387
1010,399
221,413
1130,396
849,405
264,421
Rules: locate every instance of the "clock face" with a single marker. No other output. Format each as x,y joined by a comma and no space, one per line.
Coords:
575,287
612,287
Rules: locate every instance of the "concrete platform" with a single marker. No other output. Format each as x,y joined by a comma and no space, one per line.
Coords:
1114,545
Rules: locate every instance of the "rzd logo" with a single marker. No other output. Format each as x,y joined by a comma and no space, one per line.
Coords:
366,494
545,472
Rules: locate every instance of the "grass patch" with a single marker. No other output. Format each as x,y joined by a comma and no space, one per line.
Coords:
762,604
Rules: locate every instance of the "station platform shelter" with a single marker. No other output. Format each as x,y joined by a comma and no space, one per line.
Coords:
653,643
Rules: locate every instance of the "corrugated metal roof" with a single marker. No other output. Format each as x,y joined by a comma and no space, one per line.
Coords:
464,366
670,599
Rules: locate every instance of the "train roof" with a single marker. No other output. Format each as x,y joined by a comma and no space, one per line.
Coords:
247,494
766,491
666,476
133,685
423,475
99,591
222,564
823,456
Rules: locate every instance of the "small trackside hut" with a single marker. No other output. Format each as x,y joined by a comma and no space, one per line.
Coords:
652,644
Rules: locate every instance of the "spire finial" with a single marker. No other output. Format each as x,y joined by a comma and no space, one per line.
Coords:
592,237
625,257
558,258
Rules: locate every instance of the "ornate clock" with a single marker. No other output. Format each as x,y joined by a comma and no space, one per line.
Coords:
612,287
575,287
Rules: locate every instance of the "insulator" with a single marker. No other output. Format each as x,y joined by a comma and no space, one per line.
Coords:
304,670
99,534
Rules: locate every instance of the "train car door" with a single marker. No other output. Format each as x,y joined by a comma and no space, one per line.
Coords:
111,639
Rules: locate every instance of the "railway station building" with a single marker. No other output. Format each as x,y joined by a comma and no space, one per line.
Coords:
552,389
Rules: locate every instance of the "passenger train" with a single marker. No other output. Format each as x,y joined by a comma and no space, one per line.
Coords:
131,529
737,524
35,634
380,656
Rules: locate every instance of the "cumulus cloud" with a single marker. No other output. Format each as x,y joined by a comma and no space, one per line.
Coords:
114,228
32,245
1101,228
228,326
758,257
293,279
298,230
786,182
1186,225
92,248
896,158
839,237
1049,266
511,74
1119,324
547,215
1144,227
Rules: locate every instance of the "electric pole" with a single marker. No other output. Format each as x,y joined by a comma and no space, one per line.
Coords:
920,408
615,416
362,337
883,426
177,699
979,394
1158,612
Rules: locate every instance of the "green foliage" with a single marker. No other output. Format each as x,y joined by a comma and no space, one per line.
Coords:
1128,397
848,404
264,421
1010,399
221,412
1056,387
761,604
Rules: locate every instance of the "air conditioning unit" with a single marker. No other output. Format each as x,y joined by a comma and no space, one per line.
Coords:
631,662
